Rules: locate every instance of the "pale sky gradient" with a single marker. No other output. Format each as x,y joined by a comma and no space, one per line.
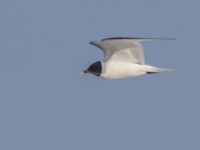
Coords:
46,105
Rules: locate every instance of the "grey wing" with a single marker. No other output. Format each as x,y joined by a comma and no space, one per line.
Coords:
117,49
107,52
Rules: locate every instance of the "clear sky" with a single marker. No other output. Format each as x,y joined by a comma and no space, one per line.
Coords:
46,104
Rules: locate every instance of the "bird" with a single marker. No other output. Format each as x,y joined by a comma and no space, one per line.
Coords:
123,58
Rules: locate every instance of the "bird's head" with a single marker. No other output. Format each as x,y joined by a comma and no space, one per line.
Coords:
95,69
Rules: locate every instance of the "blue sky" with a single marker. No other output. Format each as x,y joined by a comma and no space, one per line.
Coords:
46,104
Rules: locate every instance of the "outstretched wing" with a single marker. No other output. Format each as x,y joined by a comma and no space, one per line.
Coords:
127,50
124,49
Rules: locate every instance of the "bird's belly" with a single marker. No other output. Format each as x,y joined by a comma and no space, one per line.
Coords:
122,70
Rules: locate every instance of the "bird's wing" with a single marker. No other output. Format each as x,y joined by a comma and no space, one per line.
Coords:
124,49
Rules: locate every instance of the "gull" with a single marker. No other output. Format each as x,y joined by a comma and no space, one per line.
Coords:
123,57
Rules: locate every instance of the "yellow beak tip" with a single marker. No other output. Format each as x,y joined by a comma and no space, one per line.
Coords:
82,73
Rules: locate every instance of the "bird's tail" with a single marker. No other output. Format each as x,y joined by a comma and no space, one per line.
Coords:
151,70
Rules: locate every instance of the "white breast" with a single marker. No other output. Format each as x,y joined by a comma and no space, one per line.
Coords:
117,70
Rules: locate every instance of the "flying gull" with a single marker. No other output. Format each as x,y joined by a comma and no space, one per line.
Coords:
123,57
